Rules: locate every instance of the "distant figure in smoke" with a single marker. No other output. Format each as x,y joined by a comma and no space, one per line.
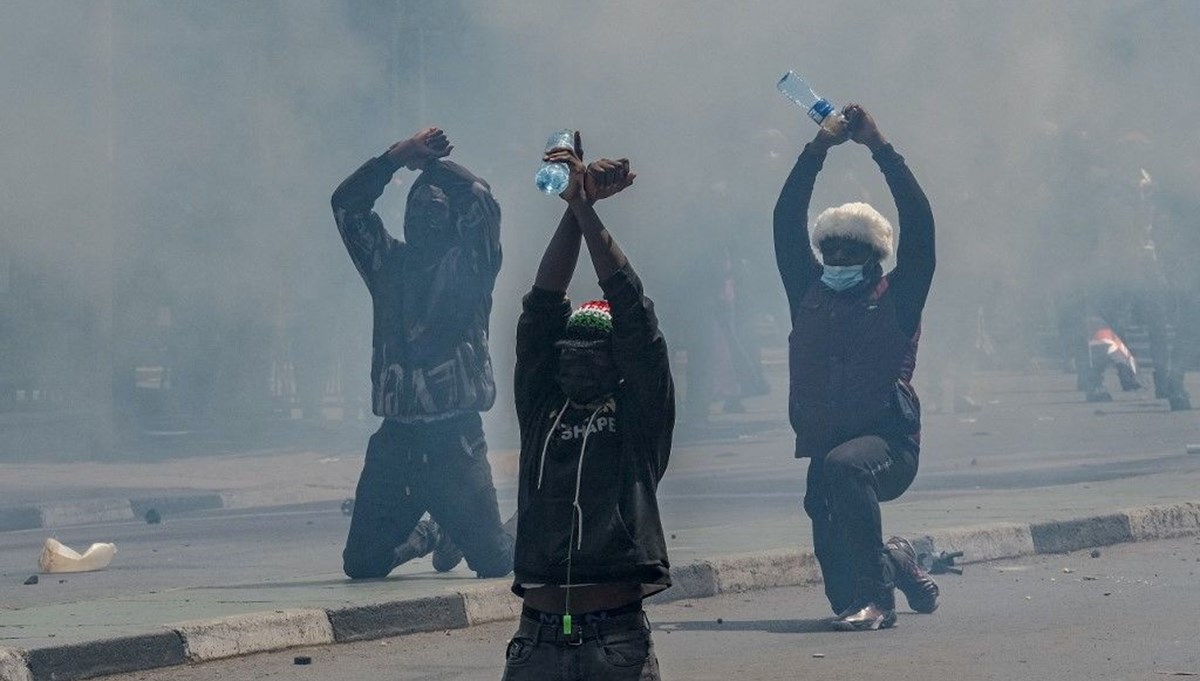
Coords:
1129,283
853,350
723,364
596,408
1106,348
431,374
1178,233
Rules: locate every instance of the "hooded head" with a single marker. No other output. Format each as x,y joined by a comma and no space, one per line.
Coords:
586,369
852,234
441,195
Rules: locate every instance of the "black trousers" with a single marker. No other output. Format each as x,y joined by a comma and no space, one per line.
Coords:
440,467
842,498
598,649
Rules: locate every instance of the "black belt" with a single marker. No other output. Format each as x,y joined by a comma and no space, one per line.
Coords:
543,626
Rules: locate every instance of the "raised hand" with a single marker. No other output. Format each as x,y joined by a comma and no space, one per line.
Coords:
606,177
575,190
415,152
862,126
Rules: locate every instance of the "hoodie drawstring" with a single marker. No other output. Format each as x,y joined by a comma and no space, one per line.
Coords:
579,476
546,444
577,511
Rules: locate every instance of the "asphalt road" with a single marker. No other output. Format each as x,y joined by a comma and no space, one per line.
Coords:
740,494
1127,614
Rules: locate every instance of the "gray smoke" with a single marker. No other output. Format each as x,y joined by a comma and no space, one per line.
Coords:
167,167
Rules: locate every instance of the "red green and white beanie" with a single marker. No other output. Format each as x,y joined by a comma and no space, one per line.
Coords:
591,323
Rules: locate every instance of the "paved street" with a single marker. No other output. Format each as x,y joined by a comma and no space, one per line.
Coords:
1036,452
1123,615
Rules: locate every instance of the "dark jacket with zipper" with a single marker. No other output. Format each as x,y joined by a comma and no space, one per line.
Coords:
852,354
614,534
431,306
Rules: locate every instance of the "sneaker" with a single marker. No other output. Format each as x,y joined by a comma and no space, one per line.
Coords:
916,584
868,618
421,542
446,554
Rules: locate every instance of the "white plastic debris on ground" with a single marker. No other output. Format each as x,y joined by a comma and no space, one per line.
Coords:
56,557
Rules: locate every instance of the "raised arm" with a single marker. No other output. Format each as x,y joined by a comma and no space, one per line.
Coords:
353,202
798,267
562,253
916,256
639,349
544,313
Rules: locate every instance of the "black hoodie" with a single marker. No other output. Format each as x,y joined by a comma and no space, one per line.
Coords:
587,507
431,304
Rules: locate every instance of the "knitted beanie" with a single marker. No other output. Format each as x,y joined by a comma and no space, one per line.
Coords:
857,221
591,323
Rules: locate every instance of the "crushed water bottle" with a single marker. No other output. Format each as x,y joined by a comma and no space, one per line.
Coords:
818,108
552,178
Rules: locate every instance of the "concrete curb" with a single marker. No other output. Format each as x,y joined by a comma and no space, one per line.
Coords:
101,511
261,632
394,618
492,603
101,658
13,666
253,633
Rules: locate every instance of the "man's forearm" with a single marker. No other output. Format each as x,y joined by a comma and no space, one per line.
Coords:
364,186
558,261
606,255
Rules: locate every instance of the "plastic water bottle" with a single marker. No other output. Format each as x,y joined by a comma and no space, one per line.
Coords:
552,178
818,108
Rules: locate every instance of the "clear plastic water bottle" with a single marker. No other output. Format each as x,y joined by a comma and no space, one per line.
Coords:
552,178
818,108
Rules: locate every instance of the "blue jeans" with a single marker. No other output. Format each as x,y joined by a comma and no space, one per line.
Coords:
616,648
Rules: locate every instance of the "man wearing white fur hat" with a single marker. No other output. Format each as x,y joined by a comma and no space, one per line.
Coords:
853,349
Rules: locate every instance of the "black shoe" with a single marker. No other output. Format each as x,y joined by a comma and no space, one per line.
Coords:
1099,395
918,587
421,542
868,618
446,554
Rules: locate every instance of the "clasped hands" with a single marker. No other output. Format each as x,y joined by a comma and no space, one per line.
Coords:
592,182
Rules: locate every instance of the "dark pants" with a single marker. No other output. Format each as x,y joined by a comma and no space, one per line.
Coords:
842,499
600,648
439,467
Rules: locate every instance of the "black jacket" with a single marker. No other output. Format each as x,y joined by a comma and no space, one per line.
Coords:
852,354
431,307
614,471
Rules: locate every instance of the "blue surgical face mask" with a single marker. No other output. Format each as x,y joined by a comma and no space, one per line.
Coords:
843,277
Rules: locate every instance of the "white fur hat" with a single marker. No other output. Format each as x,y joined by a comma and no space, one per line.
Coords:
858,221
